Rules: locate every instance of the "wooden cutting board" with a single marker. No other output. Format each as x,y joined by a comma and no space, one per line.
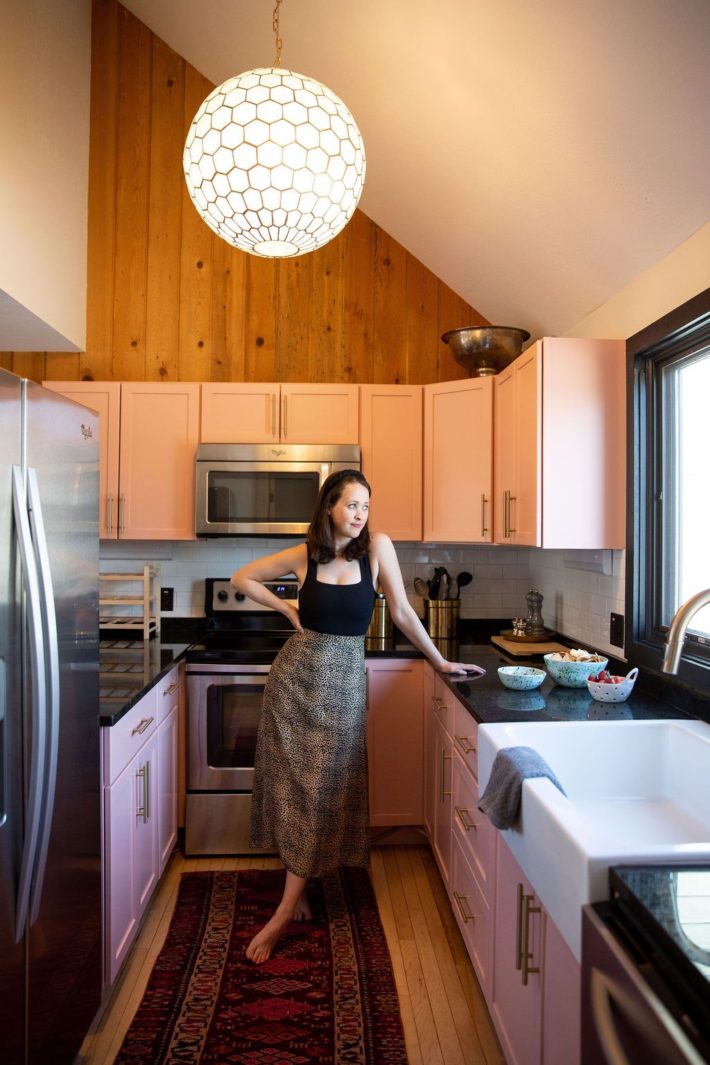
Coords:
527,650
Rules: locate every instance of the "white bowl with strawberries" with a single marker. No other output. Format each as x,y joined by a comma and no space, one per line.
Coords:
607,687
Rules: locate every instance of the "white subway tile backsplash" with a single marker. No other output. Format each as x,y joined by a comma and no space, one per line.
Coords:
578,594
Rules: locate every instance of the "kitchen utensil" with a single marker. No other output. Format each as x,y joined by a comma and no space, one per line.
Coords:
435,582
485,349
444,585
462,580
421,587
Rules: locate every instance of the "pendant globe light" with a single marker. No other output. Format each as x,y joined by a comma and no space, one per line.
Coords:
274,162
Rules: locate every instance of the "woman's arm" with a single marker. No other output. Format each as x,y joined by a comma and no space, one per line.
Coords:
249,580
401,611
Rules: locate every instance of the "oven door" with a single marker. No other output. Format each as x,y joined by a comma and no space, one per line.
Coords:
224,709
256,498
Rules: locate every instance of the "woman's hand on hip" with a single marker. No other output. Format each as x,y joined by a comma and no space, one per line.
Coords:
293,616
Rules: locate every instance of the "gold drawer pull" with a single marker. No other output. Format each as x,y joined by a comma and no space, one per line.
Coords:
140,729
173,687
143,774
439,704
466,914
465,744
464,817
444,758
526,953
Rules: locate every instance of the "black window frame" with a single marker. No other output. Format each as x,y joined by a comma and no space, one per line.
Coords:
670,339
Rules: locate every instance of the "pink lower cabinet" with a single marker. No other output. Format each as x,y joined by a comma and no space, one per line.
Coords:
472,912
139,775
130,858
395,741
429,751
443,770
535,996
170,691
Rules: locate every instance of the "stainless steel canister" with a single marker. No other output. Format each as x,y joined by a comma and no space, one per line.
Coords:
441,618
380,627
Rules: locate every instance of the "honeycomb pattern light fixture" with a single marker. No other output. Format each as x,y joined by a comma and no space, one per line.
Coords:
274,162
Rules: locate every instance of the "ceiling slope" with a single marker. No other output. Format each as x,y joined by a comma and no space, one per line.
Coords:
535,156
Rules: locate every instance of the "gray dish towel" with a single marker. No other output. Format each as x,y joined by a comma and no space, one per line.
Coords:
511,766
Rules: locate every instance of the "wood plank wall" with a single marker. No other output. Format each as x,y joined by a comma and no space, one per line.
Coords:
169,300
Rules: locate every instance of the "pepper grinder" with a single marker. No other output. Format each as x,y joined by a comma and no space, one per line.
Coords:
534,625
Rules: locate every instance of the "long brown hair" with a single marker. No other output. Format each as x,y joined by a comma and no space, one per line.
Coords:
321,542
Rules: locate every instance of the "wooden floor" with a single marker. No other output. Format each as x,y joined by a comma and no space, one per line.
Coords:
445,1018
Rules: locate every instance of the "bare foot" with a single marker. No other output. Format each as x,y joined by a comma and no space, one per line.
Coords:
303,910
261,946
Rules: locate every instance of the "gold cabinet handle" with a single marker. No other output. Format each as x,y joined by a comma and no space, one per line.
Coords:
464,817
465,912
147,790
284,426
484,528
511,499
142,726
444,757
173,687
465,744
121,513
273,414
523,955
109,513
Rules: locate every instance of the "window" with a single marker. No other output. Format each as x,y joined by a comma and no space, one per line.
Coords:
668,520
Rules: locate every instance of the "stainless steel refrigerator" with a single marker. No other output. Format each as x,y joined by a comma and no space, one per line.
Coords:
50,835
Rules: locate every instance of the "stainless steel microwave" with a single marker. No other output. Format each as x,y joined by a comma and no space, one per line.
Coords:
263,489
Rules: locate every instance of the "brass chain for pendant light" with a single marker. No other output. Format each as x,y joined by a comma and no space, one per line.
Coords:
275,27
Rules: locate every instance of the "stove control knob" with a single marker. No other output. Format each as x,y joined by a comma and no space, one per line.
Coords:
222,595
240,597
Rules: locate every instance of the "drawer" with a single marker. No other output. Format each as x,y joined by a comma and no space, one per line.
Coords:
473,915
475,832
122,741
168,693
465,736
443,701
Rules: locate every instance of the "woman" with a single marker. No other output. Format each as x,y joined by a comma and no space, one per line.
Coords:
310,788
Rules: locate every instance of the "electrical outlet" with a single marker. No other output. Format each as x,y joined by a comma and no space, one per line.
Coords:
166,599
616,630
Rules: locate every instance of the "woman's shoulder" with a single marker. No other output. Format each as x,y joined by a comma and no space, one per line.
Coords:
380,543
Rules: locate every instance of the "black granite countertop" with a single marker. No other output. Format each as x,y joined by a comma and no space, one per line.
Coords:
128,669
491,703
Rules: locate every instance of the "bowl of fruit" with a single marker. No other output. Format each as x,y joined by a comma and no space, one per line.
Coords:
606,687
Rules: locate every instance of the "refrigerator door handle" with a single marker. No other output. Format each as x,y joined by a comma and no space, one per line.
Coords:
51,650
39,699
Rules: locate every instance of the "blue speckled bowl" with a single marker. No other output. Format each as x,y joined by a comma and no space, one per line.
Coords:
521,678
572,674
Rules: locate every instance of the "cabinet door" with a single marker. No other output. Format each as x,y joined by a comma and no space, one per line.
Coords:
144,770
442,812
391,437
395,741
504,474
458,460
104,397
159,434
320,414
472,913
562,1001
239,413
516,1003
526,509
430,753
120,909
166,787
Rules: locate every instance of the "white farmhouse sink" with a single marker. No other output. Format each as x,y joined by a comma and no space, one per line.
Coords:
636,791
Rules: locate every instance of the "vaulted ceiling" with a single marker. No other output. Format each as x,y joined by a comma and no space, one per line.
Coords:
536,155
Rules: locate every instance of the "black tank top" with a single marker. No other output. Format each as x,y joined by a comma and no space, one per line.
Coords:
338,609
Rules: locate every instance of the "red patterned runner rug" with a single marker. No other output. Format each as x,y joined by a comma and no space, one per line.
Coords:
325,997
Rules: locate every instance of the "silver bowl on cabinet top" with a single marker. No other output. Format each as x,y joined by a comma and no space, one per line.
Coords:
485,350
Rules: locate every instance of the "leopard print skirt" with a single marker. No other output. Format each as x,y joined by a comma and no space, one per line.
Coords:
310,781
